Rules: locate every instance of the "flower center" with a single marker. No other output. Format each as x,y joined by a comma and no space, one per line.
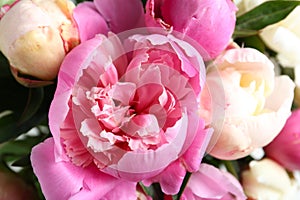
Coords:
133,119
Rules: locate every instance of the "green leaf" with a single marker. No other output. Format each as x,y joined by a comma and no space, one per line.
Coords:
20,147
4,66
265,14
12,125
29,107
253,42
244,33
7,124
153,190
4,2
35,99
24,161
13,95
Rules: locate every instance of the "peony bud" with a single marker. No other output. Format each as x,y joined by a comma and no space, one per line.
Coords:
285,147
268,180
35,37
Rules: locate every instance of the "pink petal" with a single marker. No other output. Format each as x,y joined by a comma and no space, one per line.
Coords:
136,166
199,20
63,180
123,92
170,179
125,190
66,79
121,16
171,8
57,180
211,183
89,21
193,156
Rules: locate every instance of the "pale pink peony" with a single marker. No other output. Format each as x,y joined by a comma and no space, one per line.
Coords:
212,184
256,103
286,146
209,22
35,36
130,110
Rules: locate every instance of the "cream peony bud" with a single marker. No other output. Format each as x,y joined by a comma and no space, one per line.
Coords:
35,37
266,179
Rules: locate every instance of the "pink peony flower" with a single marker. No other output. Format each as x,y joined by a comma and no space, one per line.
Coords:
256,103
285,147
213,184
35,37
129,110
209,22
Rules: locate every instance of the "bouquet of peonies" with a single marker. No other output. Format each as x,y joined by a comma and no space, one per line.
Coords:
156,99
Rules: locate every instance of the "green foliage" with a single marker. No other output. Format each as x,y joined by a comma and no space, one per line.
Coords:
22,109
4,2
263,15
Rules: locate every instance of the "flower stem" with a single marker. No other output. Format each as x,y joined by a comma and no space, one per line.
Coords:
184,183
231,168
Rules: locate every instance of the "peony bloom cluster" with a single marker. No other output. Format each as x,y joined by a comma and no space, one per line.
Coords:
144,91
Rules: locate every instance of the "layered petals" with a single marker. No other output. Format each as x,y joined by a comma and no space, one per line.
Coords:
130,110
199,20
256,103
